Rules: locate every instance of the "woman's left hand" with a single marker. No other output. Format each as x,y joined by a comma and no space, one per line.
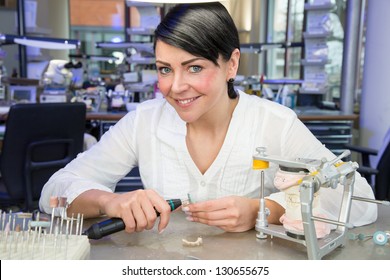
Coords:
232,214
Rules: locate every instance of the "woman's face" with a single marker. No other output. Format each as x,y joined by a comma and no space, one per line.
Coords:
194,86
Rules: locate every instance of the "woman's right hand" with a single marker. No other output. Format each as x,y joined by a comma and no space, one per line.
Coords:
138,209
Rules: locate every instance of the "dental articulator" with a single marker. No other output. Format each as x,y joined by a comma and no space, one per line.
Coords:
301,180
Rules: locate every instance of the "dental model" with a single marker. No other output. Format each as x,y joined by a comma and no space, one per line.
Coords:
196,243
288,182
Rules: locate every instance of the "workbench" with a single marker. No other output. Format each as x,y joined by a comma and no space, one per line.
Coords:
220,245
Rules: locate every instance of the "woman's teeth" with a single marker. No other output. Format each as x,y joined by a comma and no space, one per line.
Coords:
186,101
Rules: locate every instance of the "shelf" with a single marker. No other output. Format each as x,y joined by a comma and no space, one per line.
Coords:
93,57
282,82
141,60
319,35
140,31
315,62
315,7
139,47
312,91
259,47
316,36
111,45
142,47
139,87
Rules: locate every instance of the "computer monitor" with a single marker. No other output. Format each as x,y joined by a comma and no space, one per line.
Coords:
23,94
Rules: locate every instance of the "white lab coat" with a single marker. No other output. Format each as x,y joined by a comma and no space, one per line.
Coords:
153,138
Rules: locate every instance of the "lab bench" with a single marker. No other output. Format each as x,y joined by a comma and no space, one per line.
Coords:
220,245
333,128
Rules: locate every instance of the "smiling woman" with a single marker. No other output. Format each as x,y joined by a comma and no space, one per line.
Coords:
200,138
195,86
211,46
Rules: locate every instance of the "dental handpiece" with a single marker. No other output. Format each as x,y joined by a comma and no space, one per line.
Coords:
113,225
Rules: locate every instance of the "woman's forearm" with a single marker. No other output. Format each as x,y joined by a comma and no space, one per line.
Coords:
90,203
276,211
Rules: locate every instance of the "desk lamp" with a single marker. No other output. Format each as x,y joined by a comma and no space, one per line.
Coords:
39,42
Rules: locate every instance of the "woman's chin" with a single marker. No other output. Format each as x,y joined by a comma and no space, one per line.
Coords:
188,118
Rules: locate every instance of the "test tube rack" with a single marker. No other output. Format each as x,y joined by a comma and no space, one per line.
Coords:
22,238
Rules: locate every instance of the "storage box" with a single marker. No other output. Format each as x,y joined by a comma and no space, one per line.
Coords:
10,3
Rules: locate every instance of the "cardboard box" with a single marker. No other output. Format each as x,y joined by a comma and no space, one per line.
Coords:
10,3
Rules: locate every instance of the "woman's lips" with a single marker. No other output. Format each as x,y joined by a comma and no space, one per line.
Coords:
186,102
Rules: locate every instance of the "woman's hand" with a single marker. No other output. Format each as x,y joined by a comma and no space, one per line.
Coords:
233,213
138,209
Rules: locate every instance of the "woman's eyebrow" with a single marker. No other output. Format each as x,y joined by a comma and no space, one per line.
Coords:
191,60
162,62
183,63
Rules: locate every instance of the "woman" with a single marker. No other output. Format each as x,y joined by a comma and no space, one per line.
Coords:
199,139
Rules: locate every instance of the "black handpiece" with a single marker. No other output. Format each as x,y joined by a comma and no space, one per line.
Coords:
99,230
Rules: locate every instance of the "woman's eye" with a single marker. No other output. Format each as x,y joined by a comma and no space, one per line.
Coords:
195,69
164,70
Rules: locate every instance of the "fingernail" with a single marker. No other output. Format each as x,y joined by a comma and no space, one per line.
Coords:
189,218
185,209
161,231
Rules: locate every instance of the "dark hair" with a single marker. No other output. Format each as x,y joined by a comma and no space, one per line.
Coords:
206,30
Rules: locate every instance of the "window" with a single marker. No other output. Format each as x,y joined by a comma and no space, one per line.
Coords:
285,24
93,21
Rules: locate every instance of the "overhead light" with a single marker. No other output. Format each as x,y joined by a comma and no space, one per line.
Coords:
116,39
172,1
93,57
40,42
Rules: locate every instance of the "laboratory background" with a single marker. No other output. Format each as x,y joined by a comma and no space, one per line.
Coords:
327,60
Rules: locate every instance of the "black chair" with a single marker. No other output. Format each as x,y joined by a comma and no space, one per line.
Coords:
379,176
131,182
39,139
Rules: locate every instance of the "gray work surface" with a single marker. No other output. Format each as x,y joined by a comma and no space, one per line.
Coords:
220,245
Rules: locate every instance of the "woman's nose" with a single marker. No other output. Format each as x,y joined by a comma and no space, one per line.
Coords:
179,83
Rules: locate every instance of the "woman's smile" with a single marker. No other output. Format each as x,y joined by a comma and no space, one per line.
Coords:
186,102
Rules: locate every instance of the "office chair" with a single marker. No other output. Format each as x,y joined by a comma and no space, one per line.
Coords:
39,139
380,174
131,182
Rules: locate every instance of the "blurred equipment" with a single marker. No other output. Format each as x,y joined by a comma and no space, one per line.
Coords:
23,93
56,80
57,73
118,98
92,97
35,42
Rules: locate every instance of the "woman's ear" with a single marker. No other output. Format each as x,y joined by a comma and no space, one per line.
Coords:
234,62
